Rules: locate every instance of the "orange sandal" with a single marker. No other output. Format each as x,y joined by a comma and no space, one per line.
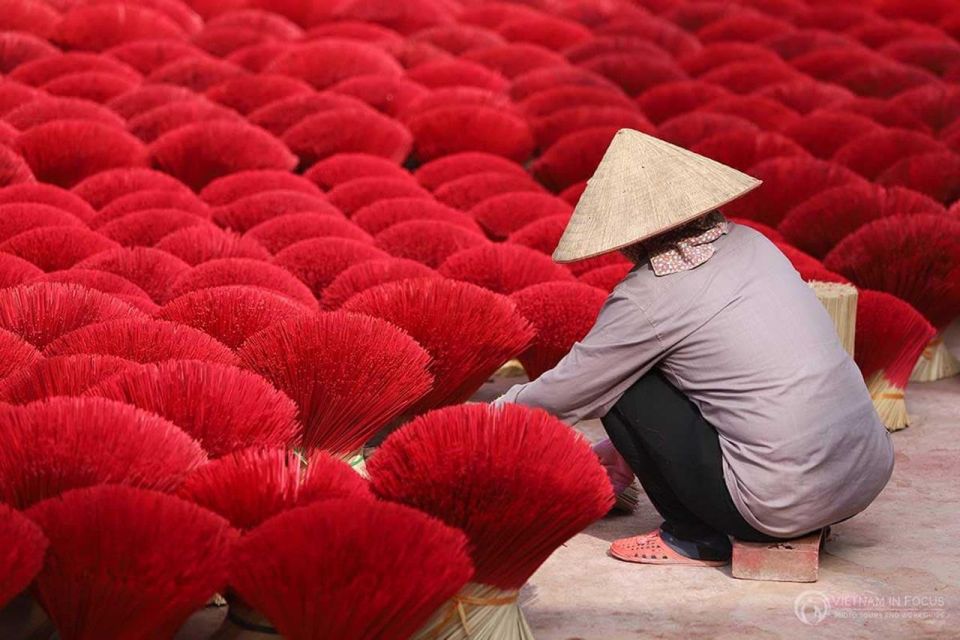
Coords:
649,548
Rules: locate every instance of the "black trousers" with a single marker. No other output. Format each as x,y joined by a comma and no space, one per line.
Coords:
675,454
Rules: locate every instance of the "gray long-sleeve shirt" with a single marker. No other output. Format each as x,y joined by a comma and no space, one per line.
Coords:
749,343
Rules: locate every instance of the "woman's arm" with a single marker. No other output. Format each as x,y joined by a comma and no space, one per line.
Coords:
622,346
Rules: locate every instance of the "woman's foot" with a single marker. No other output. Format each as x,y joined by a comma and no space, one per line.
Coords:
650,548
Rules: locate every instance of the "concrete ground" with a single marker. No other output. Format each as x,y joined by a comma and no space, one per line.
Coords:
891,572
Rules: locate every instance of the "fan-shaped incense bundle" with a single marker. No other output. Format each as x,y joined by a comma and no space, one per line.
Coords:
23,547
350,375
142,341
470,467
224,408
341,588
63,443
562,314
243,272
40,313
250,486
231,314
60,376
891,335
469,332
128,563
369,274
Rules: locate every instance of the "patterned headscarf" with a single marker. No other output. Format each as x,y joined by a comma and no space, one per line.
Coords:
686,247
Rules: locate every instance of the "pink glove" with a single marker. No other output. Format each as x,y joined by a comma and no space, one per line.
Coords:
619,472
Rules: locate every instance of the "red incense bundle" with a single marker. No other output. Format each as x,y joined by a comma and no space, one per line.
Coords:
198,244
467,192
40,313
14,170
443,316
891,336
101,26
152,270
429,242
142,341
151,199
15,271
47,109
150,125
15,354
50,195
348,130
325,63
448,168
562,314
56,248
63,443
383,214
503,268
502,215
43,70
917,259
458,72
64,152
246,94
353,195
18,217
224,408
104,187
469,466
350,375
247,212
104,282
197,154
231,314
279,233
132,103
24,547
788,182
235,186
243,272
456,129
146,228
60,376
817,225
339,589
146,56
317,261
197,72
250,486
343,167
280,116
541,235
371,273
128,563
390,95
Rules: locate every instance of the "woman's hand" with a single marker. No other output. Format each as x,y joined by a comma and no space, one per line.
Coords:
619,472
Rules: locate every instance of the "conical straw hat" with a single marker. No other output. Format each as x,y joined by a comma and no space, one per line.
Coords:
643,187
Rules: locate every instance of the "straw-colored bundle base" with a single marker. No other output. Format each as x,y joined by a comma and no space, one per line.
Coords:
936,363
628,499
512,369
889,402
840,301
478,612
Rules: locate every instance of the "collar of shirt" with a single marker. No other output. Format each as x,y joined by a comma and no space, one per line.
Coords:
687,247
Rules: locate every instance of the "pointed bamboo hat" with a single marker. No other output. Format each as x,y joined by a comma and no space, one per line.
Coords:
644,187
